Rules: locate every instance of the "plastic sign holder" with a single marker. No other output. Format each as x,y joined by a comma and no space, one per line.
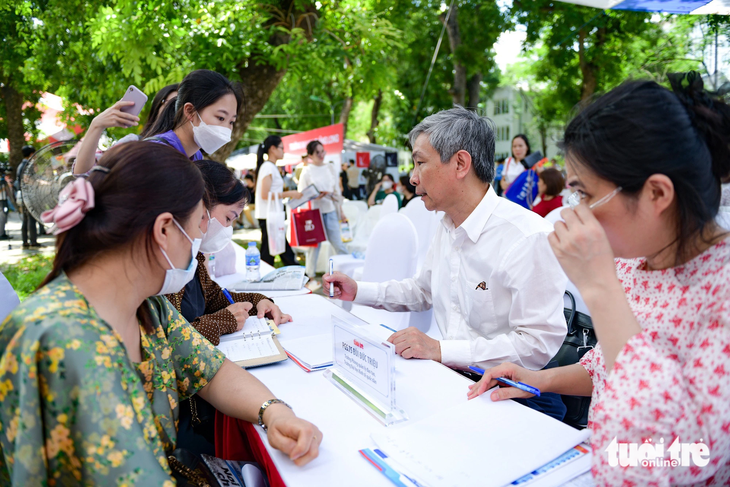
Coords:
364,369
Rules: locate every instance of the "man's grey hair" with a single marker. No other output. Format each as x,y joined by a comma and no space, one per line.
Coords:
450,131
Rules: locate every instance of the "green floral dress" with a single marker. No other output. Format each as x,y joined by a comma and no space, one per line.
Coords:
75,410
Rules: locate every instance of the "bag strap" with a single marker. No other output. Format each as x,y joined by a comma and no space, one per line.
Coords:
572,312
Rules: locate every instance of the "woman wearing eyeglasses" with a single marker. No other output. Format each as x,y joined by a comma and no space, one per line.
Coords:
646,164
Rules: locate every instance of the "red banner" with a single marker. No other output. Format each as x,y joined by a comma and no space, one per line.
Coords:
363,159
331,137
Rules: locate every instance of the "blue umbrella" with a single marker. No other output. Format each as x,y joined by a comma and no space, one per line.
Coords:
696,7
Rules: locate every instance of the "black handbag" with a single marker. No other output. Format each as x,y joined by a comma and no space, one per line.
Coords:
580,339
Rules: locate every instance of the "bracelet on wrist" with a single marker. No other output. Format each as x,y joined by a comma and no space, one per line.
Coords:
266,405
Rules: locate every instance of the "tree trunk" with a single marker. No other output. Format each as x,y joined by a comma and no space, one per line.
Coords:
589,69
374,116
458,89
14,118
345,114
474,86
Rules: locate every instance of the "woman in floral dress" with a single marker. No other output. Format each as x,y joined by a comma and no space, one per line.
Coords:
647,164
94,364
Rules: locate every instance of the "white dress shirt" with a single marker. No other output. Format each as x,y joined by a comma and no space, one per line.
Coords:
518,318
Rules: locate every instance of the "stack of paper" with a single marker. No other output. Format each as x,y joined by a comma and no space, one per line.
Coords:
505,440
289,278
312,352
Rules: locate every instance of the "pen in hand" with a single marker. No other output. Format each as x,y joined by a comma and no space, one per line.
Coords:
332,284
519,385
227,295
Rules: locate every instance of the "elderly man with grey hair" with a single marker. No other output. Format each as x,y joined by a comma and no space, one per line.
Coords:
491,277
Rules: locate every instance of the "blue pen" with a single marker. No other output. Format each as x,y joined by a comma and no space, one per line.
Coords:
227,295
519,385
388,328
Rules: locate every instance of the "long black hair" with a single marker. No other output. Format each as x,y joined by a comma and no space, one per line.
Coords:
269,142
201,88
157,102
641,128
221,185
527,143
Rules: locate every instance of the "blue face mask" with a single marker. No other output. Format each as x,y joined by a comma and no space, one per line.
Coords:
176,279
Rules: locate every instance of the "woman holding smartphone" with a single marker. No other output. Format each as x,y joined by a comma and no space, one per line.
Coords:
115,117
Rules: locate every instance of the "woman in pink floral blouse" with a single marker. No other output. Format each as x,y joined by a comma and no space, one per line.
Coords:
646,164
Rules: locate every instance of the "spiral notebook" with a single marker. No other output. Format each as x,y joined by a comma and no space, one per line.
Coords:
256,344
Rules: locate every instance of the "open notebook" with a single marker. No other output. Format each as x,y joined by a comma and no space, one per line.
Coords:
254,345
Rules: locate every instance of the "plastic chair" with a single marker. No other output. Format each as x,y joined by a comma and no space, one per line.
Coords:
364,228
390,205
723,217
392,254
8,298
426,223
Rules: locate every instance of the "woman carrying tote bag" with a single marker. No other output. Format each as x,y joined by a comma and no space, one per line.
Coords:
326,179
268,182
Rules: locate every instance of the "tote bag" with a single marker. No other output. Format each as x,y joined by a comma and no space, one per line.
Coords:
307,228
276,226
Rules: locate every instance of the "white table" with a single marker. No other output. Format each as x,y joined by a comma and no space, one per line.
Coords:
424,388
345,425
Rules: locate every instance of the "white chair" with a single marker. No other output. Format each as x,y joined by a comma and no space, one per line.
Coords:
391,254
364,228
8,298
354,211
390,205
426,223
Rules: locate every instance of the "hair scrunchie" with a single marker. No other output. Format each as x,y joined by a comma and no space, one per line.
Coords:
74,201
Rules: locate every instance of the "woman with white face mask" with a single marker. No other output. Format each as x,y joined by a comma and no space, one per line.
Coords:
202,302
96,361
385,187
201,117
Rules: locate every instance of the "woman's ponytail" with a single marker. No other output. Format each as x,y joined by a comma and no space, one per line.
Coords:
710,115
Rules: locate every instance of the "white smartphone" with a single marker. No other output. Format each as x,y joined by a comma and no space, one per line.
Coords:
134,94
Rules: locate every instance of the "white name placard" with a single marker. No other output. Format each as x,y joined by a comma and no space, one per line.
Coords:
364,368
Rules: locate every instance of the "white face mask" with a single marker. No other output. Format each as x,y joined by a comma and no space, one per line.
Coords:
217,236
176,279
386,185
210,138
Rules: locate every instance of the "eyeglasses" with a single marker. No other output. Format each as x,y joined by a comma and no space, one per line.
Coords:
575,199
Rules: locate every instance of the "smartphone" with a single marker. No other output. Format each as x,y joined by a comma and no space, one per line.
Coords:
532,159
134,94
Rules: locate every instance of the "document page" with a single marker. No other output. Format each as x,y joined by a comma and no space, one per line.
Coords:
251,348
480,443
253,327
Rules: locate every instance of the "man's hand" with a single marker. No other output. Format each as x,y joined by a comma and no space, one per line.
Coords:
345,287
413,343
267,308
240,312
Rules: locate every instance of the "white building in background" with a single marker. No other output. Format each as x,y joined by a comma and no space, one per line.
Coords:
511,110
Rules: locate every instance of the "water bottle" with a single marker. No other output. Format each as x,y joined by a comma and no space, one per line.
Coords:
211,265
345,232
253,261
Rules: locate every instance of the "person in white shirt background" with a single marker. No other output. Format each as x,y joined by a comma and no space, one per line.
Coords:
269,181
513,165
326,178
491,277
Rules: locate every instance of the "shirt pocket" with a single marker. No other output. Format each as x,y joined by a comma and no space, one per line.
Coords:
482,316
